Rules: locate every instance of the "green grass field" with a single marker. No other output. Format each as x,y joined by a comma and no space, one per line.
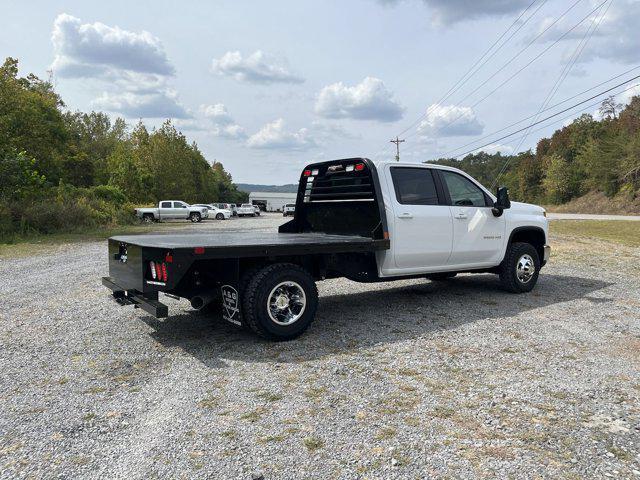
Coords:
618,231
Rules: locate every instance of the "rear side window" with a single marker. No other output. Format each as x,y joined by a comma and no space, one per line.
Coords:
463,192
165,205
414,186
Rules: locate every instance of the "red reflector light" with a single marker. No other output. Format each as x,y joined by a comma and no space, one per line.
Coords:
168,258
307,173
198,250
359,167
164,272
159,271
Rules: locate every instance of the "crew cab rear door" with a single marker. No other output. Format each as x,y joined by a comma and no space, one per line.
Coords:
478,236
423,233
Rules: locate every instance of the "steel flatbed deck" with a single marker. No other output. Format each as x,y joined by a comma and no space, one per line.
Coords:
250,243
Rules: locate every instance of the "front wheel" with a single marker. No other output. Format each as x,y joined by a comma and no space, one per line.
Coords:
520,268
195,217
280,301
220,216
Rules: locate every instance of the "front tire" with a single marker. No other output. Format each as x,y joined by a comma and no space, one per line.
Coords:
220,216
520,268
195,217
280,301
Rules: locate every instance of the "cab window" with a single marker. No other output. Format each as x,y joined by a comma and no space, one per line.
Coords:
179,205
165,205
414,186
463,192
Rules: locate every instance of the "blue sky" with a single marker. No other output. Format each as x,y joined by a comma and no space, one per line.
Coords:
266,87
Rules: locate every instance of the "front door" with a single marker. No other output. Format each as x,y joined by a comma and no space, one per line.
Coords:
478,235
423,233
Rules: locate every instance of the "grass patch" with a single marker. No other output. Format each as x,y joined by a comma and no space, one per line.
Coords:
386,433
269,396
313,443
34,244
618,231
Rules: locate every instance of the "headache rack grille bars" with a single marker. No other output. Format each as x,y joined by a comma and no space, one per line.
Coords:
343,186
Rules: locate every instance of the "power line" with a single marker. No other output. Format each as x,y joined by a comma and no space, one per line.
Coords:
595,23
451,122
549,117
459,85
542,111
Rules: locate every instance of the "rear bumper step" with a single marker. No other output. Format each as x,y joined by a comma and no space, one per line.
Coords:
133,297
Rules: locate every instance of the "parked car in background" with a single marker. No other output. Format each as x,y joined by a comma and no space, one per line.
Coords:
171,210
246,209
215,212
289,210
228,206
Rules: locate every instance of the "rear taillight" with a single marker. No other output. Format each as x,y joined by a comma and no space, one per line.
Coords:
307,173
359,167
153,270
159,271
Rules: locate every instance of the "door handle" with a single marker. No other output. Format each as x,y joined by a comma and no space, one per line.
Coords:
461,216
405,215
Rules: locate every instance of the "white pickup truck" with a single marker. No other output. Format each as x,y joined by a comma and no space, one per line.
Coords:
248,209
368,222
172,209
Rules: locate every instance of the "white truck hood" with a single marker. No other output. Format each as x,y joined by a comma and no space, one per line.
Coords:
521,207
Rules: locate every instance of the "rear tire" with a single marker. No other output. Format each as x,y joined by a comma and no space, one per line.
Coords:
280,301
441,277
520,268
220,216
148,218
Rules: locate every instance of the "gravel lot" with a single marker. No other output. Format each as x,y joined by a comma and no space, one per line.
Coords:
409,379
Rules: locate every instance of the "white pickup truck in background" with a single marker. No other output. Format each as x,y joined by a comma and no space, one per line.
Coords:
172,210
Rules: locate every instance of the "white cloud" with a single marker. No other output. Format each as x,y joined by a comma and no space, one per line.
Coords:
450,121
255,68
162,104
222,122
452,11
88,49
273,136
496,148
217,112
131,68
368,100
616,38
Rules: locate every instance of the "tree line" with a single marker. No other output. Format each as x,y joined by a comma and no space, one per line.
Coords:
587,155
61,170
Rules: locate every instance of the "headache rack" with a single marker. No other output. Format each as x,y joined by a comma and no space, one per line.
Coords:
339,197
342,181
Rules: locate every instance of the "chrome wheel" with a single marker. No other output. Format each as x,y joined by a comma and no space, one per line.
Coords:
286,303
525,268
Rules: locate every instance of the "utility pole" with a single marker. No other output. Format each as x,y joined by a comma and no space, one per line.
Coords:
397,141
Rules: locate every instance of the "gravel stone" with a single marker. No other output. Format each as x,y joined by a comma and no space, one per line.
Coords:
406,379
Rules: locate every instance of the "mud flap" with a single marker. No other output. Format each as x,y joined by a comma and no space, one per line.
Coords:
230,292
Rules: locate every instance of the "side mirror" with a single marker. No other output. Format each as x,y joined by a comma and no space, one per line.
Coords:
502,201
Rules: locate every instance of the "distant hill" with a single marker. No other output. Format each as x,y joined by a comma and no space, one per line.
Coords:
252,187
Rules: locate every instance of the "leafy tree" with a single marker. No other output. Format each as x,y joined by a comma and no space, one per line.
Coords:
556,179
20,179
